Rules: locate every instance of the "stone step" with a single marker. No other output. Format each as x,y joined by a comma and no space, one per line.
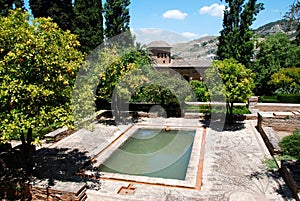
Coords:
193,115
296,113
283,114
55,135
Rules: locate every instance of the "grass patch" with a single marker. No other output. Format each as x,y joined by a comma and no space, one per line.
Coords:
270,163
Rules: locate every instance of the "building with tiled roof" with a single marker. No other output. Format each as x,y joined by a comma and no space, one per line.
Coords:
189,69
161,52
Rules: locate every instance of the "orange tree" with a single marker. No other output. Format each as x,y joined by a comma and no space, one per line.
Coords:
38,65
238,81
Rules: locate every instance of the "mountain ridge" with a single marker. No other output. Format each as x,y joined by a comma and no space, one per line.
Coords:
206,47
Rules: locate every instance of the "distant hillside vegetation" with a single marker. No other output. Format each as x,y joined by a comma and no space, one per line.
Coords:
275,27
206,47
202,48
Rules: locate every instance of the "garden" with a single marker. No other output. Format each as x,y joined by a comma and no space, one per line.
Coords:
51,76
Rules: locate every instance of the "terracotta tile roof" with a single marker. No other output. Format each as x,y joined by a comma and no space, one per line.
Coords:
159,43
187,63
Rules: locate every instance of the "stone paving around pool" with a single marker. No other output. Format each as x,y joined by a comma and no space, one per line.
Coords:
233,168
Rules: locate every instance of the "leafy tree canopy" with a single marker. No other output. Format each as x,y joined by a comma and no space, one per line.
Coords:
238,81
114,65
286,81
117,18
88,23
107,71
236,39
275,52
6,5
38,65
61,11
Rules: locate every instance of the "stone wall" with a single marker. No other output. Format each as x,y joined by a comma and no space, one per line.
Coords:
58,134
64,191
279,121
277,107
254,105
270,138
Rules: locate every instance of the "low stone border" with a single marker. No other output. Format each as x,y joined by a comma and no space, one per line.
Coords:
72,191
277,107
57,134
281,121
270,138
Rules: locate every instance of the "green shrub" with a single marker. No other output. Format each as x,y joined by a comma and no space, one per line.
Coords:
240,109
200,90
288,98
290,145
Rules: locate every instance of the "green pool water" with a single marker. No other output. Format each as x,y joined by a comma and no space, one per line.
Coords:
153,153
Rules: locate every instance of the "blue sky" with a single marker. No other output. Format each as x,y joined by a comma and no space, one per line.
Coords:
194,18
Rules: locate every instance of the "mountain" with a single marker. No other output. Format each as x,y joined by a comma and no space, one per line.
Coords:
275,27
206,47
202,48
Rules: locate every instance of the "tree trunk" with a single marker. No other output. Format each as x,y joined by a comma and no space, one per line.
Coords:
28,150
231,108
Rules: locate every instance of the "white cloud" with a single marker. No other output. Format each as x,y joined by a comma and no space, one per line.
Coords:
215,10
190,35
175,14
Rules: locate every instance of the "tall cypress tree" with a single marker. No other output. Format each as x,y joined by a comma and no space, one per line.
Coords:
117,18
88,23
5,5
61,11
236,40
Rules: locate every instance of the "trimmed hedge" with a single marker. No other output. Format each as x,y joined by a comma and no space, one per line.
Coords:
288,98
281,98
268,99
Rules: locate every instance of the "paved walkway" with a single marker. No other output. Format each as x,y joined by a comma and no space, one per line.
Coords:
233,170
